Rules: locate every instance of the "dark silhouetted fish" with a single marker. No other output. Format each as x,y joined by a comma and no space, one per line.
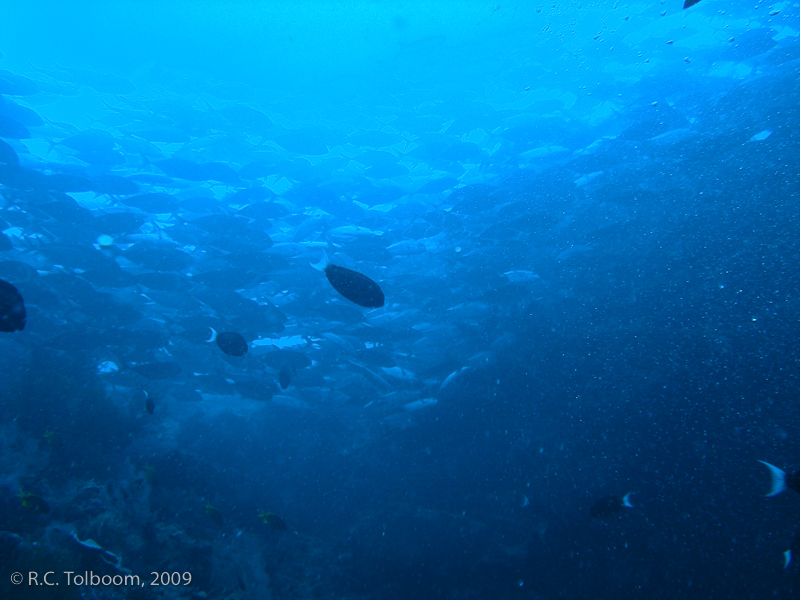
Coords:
285,376
781,480
230,342
149,403
794,548
352,285
689,3
609,505
12,308
273,520
33,502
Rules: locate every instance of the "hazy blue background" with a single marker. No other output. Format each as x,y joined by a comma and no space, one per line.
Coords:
584,217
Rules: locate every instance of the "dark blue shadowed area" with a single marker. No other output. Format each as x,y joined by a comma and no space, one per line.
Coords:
399,301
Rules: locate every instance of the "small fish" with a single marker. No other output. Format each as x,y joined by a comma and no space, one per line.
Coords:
609,505
417,404
12,308
33,502
795,547
352,285
452,377
141,396
285,376
781,481
520,276
689,3
399,373
230,342
273,520
97,550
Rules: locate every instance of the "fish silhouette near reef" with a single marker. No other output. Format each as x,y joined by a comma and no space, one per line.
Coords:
230,342
285,376
351,284
609,505
142,398
794,548
273,520
12,308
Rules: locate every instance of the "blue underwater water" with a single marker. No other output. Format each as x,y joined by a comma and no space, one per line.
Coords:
399,300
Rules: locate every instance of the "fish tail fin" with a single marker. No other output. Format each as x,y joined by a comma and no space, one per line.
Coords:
787,559
778,479
323,263
213,337
626,500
